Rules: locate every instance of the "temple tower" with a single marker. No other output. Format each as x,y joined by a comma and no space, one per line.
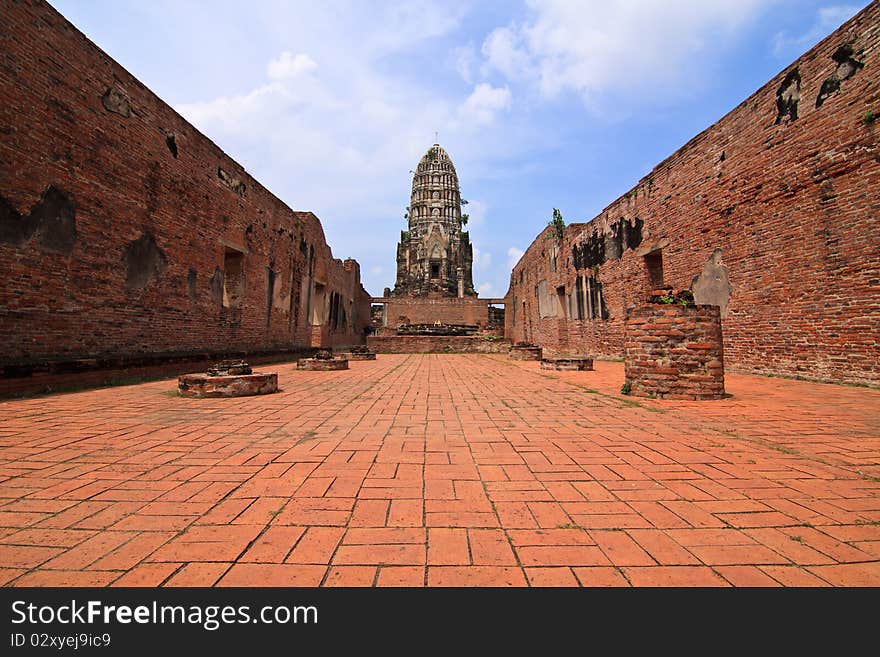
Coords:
434,257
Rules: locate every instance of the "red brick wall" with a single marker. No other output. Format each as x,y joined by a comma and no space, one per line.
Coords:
427,310
674,352
793,207
432,344
55,376
125,254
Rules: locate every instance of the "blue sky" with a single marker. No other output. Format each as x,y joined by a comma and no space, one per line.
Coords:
541,104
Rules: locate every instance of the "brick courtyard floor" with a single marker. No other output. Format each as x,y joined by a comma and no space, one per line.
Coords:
443,470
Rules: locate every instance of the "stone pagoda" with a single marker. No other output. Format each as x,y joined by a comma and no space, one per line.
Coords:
434,257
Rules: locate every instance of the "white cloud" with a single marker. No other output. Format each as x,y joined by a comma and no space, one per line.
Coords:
482,261
225,112
476,211
336,138
827,20
614,46
386,29
465,62
484,102
287,65
506,52
329,141
488,290
513,256
291,88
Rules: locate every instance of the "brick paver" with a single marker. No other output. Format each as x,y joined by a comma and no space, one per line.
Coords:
443,470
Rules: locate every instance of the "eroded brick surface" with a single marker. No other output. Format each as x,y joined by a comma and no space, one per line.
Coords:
443,470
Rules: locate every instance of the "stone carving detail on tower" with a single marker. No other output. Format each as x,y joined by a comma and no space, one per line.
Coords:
434,257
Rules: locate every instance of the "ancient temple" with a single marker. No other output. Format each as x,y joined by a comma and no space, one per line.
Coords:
434,292
434,257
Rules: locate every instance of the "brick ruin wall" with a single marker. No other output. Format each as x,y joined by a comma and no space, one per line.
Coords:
435,344
126,233
427,310
770,214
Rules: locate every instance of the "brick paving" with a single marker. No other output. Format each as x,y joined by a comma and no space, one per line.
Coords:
443,470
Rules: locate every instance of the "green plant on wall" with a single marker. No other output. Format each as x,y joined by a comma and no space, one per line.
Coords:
464,219
667,298
558,224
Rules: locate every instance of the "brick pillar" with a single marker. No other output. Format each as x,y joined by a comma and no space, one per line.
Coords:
674,352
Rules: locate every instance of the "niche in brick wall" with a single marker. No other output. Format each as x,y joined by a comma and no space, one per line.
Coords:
51,221
271,278
654,269
562,307
233,278
144,261
318,306
191,279
171,143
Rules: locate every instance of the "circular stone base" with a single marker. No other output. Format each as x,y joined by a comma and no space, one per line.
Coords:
571,364
321,365
357,355
241,385
525,353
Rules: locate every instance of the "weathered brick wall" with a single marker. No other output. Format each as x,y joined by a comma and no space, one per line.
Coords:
125,231
792,204
427,310
54,376
346,325
435,344
674,352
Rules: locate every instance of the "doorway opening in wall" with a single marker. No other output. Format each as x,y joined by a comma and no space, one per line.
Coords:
563,306
271,277
595,304
579,293
654,269
318,307
496,315
435,270
233,278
